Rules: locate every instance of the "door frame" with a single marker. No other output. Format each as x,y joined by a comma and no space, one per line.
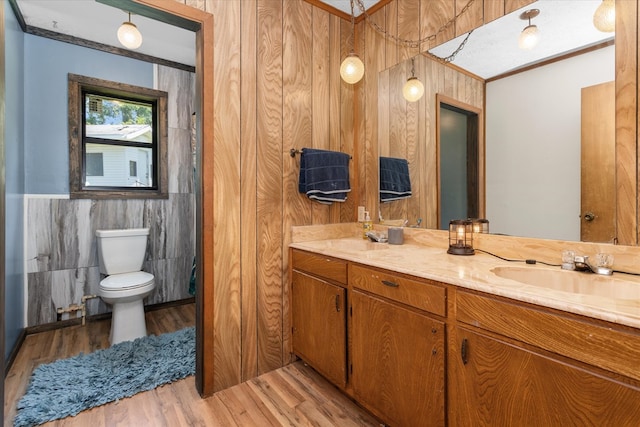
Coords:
182,15
475,146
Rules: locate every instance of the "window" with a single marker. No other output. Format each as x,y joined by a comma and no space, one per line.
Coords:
117,140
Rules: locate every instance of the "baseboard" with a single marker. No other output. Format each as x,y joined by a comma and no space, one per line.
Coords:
14,352
78,321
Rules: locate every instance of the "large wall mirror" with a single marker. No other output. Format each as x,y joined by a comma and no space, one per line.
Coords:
532,104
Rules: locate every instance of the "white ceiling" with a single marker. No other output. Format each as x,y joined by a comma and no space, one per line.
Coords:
563,25
89,20
491,50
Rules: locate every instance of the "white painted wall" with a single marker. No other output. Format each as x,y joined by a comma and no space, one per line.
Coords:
533,146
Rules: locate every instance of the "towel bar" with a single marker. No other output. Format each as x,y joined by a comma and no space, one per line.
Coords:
295,151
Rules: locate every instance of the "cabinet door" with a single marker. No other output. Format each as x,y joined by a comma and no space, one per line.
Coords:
319,326
398,362
502,384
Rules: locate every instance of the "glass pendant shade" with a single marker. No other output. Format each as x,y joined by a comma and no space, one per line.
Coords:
413,89
352,69
604,19
129,35
528,38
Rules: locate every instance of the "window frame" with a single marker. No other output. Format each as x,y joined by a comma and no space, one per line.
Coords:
81,85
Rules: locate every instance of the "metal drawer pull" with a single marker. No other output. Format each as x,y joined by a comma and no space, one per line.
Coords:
390,284
464,351
338,303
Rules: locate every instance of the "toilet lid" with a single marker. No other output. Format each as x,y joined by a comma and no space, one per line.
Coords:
126,280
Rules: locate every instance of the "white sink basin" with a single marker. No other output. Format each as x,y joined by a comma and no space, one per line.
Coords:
622,287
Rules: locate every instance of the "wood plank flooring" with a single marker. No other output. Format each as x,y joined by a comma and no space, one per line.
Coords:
293,396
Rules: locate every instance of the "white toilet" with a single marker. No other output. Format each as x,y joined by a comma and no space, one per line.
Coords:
121,254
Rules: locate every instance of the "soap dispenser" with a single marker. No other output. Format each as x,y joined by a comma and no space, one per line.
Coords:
367,225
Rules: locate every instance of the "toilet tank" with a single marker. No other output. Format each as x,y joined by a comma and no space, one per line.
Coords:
121,251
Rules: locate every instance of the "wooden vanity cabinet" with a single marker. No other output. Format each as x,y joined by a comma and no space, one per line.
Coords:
507,363
397,351
518,365
319,314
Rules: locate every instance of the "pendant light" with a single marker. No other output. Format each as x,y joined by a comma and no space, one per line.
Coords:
529,36
604,19
129,35
413,89
352,67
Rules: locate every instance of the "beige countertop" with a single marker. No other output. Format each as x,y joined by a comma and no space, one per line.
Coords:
612,298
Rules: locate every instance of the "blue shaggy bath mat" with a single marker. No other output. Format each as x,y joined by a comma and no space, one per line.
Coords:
69,386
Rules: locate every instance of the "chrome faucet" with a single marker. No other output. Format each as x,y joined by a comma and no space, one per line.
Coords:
582,263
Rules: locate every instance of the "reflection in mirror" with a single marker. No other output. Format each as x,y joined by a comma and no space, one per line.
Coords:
533,124
408,130
458,135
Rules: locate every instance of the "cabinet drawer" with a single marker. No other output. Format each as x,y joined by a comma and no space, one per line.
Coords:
423,294
605,347
320,265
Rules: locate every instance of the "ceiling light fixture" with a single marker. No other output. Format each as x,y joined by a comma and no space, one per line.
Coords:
352,67
413,89
129,35
530,35
604,19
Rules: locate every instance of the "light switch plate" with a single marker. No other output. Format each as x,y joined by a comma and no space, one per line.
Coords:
360,213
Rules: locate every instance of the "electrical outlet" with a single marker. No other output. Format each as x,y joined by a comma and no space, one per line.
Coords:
360,213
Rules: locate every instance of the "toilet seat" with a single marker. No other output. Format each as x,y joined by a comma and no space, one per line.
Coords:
126,281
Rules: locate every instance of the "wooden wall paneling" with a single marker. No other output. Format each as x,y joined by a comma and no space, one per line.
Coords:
362,147
383,114
367,121
634,22
511,5
269,184
302,83
384,130
248,161
420,175
226,181
198,4
332,68
626,122
433,15
398,129
349,104
408,27
431,153
493,9
471,19
319,25
413,141
391,26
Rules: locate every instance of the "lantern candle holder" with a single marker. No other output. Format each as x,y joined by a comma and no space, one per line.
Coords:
480,225
460,237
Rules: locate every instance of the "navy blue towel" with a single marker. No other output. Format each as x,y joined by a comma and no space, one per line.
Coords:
324,175
395,183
